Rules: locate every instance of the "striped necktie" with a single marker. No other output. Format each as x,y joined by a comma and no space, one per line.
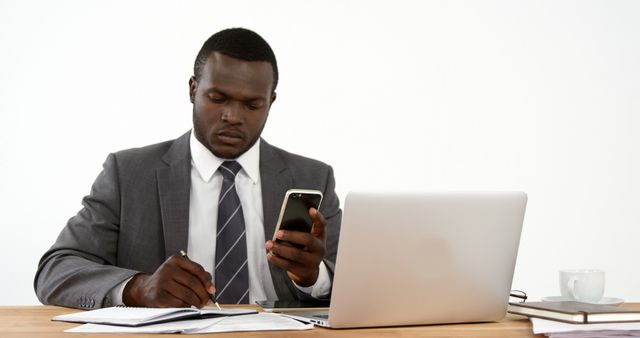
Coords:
231,271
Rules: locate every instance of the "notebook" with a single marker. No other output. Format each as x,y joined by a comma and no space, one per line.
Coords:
575,312
138,316
423,258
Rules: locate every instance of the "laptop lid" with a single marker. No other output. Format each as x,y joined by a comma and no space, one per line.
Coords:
425,258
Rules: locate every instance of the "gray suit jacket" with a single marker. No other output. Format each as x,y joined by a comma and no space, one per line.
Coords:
137,215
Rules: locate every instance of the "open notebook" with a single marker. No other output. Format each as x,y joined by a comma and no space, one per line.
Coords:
138,316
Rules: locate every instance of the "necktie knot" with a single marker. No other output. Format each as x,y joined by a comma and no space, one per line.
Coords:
229,169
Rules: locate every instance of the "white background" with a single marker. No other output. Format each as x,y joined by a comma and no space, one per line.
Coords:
540,96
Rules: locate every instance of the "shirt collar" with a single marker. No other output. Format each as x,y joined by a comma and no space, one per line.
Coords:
206,163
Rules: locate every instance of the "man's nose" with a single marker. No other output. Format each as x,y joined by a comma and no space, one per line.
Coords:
232,113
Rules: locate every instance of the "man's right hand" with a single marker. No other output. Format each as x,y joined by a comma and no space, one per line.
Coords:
178,282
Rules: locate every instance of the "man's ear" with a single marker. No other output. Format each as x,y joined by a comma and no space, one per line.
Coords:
193,87
273,98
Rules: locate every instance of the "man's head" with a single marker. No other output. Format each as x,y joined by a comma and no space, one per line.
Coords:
233,86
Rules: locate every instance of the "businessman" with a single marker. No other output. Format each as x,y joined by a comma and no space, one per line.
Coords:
215,192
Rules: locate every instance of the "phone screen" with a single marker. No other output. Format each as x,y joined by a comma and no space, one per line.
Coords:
295,213
318,304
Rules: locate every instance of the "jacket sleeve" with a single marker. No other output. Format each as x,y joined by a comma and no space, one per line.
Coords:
330,209
79,269
333,214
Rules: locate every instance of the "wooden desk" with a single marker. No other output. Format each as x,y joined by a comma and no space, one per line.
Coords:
35,321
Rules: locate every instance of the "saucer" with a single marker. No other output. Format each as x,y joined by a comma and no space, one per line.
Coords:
602,301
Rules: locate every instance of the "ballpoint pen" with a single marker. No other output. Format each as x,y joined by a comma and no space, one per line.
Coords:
211,295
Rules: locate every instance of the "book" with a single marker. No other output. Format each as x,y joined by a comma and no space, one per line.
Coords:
575,312
138,316
554,328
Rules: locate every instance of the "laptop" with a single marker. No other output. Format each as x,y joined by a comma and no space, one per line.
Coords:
423,258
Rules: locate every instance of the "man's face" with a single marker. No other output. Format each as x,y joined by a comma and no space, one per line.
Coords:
231,102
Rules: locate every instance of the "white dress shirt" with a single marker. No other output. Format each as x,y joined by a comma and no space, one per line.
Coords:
206,183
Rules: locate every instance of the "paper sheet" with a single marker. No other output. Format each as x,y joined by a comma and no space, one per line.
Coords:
253,322
169,327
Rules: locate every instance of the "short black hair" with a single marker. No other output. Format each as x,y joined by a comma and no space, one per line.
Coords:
239,43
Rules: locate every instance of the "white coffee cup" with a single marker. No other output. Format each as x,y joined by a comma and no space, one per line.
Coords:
582,285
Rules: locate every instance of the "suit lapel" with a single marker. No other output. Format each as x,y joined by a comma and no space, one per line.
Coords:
275,180
174,183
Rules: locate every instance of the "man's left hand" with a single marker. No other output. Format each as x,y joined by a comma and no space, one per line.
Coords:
302,265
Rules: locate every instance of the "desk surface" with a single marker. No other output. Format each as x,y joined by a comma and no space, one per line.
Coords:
31,321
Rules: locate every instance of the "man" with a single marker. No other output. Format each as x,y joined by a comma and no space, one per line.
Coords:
214,192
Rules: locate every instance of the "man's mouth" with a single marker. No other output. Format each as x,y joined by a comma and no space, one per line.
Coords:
230,137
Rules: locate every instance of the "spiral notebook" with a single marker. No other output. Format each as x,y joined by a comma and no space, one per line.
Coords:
139,316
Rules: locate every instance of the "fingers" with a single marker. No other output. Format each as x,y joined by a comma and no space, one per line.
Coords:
188,289
295,255
178,282
307,240
169,296
300,273
194,283
146,291
302,265
319,223
181,293
198,271
312,241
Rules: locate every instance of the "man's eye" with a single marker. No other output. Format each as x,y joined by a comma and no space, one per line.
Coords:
217,99
253,106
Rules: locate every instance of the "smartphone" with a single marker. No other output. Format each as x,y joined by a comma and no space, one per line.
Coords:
294,305
294,214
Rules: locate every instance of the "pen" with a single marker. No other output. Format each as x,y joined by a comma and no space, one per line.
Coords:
212,296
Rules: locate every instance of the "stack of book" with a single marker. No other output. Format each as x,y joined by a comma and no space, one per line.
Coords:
580,320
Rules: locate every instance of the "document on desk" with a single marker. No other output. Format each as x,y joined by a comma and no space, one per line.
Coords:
251,322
